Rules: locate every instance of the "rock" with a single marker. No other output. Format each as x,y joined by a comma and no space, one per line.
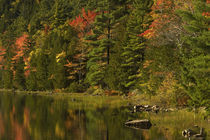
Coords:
188,133
148,108
138,108
196,133
171,109
155,108
142,124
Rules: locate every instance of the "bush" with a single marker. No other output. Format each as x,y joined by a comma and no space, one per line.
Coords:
75,87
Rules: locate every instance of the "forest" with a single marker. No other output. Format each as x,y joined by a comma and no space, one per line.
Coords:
152,47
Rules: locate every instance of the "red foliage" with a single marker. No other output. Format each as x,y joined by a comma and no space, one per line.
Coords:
20,49
70,64
2,53
83,22
19,130
2,128
161,18
206,14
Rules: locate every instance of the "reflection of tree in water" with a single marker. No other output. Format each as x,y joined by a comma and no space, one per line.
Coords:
19,131
2,129
38,117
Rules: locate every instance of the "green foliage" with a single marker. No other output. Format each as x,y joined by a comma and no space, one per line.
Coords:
196,54
159,63
101,43
76,87
133,52
112,45
19,77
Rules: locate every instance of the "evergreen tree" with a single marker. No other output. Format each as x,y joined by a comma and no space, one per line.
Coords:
114,75
196,53
42,74
8,41
31,80
56,68
133,54
102,41
19,77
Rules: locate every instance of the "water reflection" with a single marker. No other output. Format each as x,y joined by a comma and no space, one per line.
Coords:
41,118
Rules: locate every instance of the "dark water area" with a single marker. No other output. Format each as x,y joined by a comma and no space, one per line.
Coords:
35,117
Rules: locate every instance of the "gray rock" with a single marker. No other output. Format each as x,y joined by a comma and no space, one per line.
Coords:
141,124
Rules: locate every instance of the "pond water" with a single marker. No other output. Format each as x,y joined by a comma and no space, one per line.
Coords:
35,117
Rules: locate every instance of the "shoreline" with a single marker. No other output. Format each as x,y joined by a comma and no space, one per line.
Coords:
132,100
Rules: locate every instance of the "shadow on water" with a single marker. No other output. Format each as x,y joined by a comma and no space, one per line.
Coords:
29,117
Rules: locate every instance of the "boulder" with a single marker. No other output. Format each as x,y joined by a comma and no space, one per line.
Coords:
195,133
141,124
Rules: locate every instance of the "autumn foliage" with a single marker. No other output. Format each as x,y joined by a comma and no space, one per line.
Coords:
2,53
161,16
20,49
83,22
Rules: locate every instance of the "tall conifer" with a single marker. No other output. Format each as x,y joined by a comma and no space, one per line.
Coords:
196,53
101,41
133,54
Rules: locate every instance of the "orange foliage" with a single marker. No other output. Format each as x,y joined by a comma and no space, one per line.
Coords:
163,13
20,48
206,14
69,64
72,69
2,129
161,18
18,129
83,22
26,118
112,92
2,53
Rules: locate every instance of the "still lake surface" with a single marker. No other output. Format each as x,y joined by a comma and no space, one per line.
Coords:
35,117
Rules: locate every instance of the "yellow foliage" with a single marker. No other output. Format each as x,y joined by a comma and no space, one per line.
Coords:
58,131
59,56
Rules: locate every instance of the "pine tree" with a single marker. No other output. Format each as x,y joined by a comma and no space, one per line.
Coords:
42,53
8,40
56,69
114,75
196,53
19,77
102,41
31,80
133,54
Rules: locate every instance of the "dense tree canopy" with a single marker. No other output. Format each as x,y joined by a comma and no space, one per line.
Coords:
160,47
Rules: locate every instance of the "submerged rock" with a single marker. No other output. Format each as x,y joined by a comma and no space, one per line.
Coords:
142,124
195,133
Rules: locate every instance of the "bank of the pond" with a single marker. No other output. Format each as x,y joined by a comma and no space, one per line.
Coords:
131,100
170,123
